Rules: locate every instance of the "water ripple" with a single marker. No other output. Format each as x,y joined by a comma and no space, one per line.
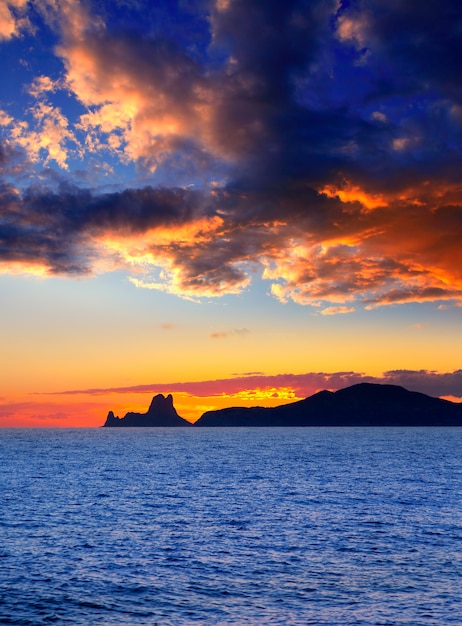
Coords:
231,526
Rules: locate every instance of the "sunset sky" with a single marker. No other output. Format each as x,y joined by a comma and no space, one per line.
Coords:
238,202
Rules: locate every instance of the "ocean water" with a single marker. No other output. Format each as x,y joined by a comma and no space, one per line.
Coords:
231,526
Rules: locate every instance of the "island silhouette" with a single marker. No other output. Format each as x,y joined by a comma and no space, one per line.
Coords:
364,404
161,412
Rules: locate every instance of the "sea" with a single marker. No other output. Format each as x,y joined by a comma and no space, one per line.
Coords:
213,526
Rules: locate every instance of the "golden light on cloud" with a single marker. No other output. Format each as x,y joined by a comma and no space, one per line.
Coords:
353,28
171,250
223,5
400,144
41,85
191,407
51,137
12,18
198,231
335,310
369,266
266,394
106,119
353,193
143,105
25,268
155,245
174,282
309,274
5,119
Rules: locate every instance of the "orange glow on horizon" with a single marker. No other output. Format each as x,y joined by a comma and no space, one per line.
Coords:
90,411
452,399
88,408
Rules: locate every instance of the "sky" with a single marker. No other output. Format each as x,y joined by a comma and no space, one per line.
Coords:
236,202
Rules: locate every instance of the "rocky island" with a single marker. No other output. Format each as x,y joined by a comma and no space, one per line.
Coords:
160,413
364,404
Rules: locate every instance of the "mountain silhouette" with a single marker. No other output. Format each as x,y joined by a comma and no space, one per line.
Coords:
365,404
160,413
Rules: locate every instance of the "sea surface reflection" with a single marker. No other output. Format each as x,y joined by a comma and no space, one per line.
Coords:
231,526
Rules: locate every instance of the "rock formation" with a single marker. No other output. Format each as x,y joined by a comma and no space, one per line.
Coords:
160,413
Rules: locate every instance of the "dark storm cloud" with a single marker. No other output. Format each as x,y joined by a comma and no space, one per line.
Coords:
258,119
283,114
12,160
3,155
55,228
421,38
325,139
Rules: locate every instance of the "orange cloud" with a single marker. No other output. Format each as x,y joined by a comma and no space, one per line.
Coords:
142,97
51,137
198,245
404,248
335,310
354,193
13,18
136,108
354,28
41,86
179,252
5,119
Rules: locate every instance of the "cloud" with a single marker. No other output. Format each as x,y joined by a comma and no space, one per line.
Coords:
335,310
51,135
144,95
41,86
240,332
13,18
300,385
200,245
315,144
63,231
168,326
426,42
426,381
